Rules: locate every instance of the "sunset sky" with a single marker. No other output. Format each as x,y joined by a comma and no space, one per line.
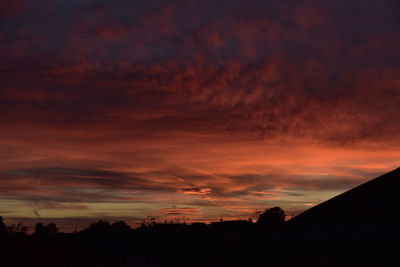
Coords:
117,109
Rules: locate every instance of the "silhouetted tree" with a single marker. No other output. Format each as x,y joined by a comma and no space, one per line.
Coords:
39,228
17,230
2,227
120,226
49,229
272,217
100,226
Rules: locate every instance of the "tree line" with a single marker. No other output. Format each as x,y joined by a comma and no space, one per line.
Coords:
271,218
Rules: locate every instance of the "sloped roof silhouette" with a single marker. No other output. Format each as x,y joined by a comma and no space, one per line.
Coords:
374,204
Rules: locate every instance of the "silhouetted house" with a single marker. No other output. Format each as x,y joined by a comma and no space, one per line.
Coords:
372,205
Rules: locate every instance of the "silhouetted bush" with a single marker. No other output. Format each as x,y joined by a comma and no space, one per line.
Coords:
120,226
17,230
272,217
100,227
2,227
49,229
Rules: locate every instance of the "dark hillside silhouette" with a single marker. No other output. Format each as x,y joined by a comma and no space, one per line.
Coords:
372,205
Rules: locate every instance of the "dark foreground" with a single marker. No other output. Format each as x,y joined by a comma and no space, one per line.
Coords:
200,245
